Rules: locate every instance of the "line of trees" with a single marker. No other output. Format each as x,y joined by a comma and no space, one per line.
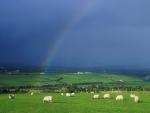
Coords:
72,88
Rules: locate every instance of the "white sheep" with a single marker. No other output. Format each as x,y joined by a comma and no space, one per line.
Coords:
68,94
47,99
132,95
92,92
32,93
62,94
136,99
95,96
11,96
72,94
106,96
119,97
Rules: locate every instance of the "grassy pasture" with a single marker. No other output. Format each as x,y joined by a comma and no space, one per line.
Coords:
35,79
81,103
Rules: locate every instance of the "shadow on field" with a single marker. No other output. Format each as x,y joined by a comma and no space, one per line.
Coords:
144,101
60,102
66,102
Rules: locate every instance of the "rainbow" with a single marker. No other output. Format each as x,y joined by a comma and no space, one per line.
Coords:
61,35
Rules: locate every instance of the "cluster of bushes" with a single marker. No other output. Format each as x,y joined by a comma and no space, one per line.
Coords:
82,87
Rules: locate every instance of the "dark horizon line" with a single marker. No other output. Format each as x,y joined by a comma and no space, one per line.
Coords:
62,69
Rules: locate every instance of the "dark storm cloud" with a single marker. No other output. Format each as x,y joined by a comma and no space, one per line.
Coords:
109,33
28,28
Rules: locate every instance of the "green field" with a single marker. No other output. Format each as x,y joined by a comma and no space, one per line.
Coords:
81,103
35,79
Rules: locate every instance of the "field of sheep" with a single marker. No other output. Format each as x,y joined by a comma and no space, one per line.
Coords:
80,103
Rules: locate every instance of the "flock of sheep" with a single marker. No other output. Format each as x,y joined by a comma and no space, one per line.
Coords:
135,98
119,97
50,98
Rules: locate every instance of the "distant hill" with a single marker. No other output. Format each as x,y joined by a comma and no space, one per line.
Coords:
61,69
41,79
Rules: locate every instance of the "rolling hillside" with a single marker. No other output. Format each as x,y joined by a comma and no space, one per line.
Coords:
37,79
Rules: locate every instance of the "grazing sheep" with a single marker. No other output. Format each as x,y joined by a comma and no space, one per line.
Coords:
68,94
92,92
106,96
132,95
62,94
119,97
136,99
32,93
72,94
11,96
95,96
47,99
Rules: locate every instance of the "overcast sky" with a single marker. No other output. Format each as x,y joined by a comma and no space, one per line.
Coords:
87,33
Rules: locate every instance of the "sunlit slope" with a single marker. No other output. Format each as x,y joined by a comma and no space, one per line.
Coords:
35,79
